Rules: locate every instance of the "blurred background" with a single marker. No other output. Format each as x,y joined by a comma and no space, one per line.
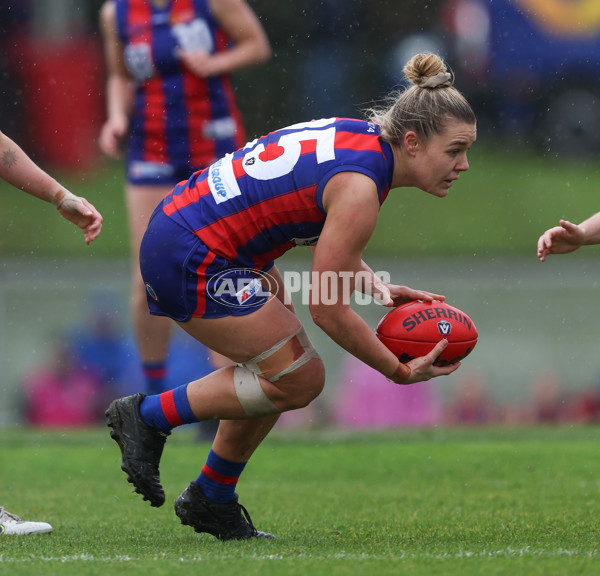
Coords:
531,70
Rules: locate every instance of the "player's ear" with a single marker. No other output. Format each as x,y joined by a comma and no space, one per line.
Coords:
411,142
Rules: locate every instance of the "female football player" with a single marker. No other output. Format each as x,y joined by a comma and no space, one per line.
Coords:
207,260
170,100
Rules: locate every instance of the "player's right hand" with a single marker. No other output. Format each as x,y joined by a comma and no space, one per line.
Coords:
112,134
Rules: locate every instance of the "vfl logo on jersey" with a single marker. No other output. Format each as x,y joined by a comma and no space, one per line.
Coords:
444,327
138,60
221,180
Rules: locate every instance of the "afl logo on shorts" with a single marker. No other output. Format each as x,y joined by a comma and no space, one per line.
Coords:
151,292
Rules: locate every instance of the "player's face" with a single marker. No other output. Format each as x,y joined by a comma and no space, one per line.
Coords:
441,159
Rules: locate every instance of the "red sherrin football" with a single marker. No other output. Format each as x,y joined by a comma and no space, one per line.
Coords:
414,328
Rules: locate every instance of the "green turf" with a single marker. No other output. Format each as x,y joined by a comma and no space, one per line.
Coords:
501,205
437,502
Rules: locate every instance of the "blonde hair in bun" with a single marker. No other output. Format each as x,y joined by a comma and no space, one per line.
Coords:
426,106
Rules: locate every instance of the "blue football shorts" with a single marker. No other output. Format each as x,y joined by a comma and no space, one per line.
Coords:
185,279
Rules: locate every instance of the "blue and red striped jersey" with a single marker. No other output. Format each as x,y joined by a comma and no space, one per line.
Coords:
178,117
253,205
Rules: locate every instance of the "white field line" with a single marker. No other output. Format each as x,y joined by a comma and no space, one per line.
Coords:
501,553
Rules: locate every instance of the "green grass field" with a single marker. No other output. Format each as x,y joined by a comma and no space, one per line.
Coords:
435,502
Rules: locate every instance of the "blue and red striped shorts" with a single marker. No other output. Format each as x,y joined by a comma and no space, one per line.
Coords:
185,279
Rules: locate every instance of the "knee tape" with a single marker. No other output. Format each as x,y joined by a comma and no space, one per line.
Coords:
285,357
252,397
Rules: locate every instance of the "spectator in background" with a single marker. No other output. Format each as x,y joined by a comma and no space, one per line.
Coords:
20,171
169,97
470,404
103,349
547,405
64,393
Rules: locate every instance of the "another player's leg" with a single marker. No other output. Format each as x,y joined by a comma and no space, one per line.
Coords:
11,524
152,332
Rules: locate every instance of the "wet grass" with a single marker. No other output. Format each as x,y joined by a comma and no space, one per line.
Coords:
465,501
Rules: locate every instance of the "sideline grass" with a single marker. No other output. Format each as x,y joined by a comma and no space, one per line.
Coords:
466,502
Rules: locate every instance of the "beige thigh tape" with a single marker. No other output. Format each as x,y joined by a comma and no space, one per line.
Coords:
283,358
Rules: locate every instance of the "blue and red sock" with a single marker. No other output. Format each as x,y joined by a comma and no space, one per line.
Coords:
155,374
167,410
219,478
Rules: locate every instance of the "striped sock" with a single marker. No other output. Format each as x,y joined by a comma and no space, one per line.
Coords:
167,410
219,478
155,374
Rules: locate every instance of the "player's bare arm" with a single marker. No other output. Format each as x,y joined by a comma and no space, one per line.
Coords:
119,86
250,44
350,200
568,237
591,229
20,171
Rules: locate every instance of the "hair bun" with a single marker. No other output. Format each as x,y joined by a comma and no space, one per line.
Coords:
428,71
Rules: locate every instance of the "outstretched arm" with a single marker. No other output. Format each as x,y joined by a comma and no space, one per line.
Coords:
20,171
567,237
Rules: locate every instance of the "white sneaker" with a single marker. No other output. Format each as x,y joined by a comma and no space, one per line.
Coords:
12,524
